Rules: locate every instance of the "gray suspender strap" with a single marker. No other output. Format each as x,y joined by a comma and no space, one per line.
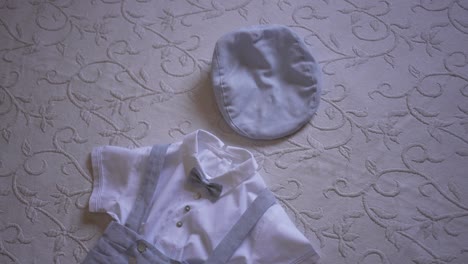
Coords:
148,186
224,251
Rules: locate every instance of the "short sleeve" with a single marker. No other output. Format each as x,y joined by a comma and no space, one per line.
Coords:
117,174
277,240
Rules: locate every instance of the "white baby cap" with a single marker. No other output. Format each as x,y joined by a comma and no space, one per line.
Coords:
266,83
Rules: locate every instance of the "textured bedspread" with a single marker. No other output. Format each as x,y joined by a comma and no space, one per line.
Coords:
379,175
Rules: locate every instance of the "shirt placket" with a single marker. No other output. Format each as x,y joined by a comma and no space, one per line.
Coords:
174,229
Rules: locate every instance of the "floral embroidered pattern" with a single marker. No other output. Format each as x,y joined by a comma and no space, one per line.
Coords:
377,176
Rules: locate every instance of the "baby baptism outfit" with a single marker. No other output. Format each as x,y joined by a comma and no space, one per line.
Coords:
191,202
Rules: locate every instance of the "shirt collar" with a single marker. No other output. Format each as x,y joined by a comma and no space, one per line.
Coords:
222,164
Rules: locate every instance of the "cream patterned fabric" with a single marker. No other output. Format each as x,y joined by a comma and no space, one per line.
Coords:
379,175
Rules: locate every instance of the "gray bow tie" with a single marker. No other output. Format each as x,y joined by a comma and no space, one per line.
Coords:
214,189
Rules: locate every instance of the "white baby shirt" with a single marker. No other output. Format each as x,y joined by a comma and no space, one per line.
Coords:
184,221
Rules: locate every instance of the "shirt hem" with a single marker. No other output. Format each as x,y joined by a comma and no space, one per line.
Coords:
311,256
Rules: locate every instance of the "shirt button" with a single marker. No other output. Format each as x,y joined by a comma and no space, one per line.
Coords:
179,224
141,247
197,196
187,208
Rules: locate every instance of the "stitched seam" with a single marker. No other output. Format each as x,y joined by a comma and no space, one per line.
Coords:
101,175
318,75
97,181
221,84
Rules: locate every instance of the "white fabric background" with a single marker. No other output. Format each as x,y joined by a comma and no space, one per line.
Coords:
378,176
